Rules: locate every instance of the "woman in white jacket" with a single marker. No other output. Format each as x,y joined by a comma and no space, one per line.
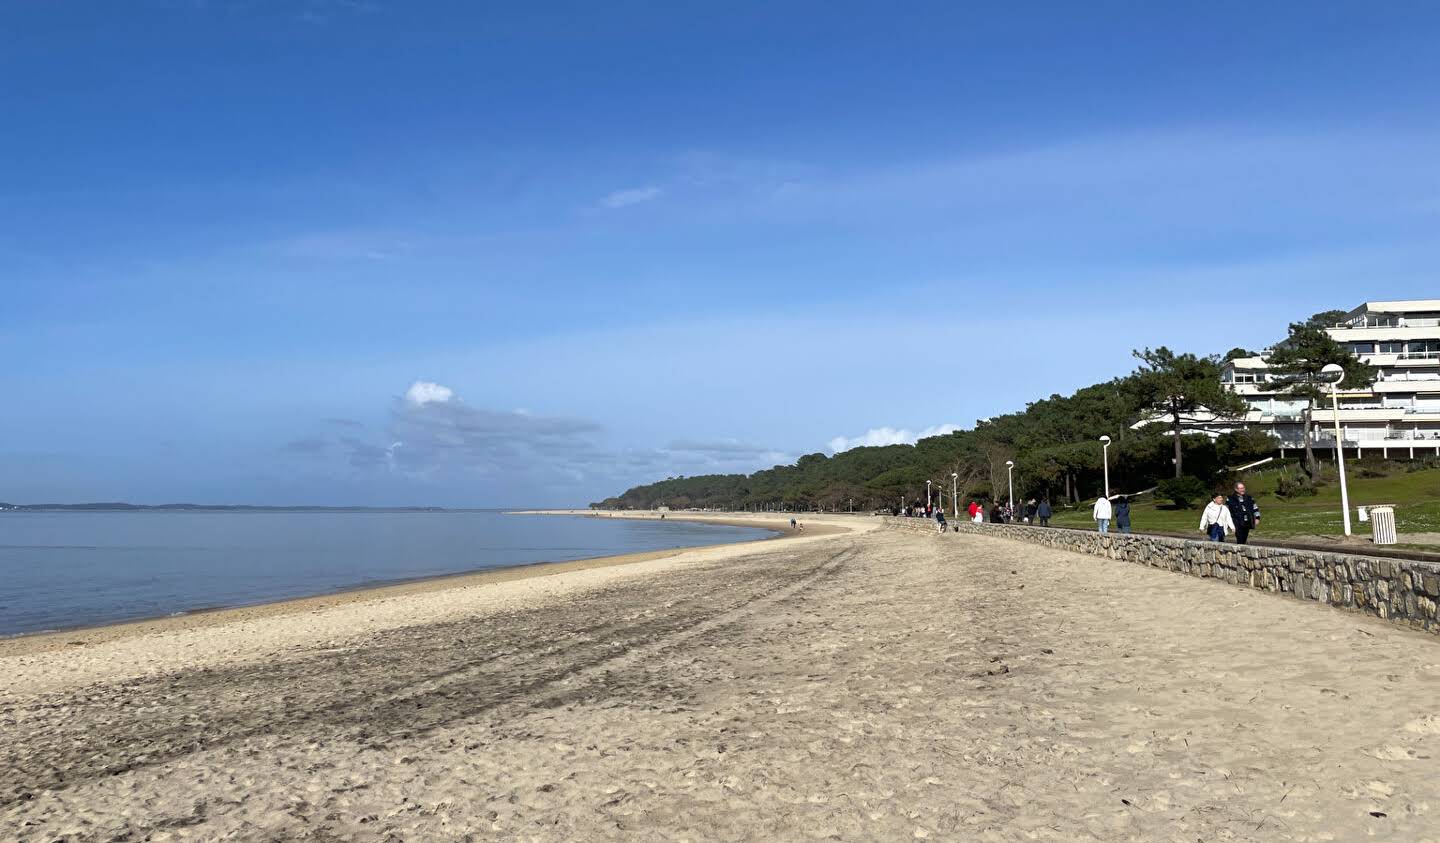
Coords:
1101,513
1215,521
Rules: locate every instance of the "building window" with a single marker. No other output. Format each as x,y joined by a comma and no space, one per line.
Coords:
1362,348
1424,346
1391,347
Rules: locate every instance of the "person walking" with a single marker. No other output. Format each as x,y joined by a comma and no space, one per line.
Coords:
1244,512
1042,511
1102,513
1122,514
940,519
1216,521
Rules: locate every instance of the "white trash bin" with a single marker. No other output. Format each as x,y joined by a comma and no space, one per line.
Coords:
1382,521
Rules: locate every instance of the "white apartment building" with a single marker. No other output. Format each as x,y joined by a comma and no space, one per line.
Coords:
1397,416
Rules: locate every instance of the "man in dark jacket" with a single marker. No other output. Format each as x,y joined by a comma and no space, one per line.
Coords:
1043,512
1244,512
1122,514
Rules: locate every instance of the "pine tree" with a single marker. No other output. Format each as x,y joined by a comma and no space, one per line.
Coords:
1182,387
1296,365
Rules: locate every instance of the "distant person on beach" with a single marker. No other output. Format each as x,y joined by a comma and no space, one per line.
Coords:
1122,514
1102,513
792,523
1216,521
1244,512
997,514
972,509
940,519
1043,512
977,512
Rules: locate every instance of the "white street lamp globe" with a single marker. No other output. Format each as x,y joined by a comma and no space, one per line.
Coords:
1332,373
1010,462
1105,439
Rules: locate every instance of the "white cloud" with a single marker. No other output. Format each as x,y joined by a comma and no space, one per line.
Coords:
632,196
877,436
421,393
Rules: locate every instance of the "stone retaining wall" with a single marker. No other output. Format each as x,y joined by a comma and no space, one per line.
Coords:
1397,590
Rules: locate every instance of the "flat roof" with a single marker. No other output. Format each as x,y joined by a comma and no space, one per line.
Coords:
1399,306
1247,363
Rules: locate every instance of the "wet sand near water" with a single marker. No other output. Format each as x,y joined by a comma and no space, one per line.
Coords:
863,685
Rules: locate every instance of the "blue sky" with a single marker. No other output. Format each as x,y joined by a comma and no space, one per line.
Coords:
614,242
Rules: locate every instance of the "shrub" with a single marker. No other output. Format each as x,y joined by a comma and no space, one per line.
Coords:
1184,491
1244,445
1294,484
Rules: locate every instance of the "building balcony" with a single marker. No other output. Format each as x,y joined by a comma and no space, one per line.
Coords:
1398,333
1324,415
1412,384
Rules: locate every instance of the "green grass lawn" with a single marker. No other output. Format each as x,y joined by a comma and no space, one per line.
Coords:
1416,496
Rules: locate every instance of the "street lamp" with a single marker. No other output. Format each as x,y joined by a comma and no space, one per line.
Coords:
1335,373
1105,440
927,495
1010,476
955,492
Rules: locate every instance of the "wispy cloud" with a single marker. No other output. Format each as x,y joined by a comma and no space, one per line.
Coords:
433,433
307,445
344,246
421,393
877,436
631,196
721,447
434,436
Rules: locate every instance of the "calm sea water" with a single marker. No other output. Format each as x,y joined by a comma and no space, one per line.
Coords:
68,569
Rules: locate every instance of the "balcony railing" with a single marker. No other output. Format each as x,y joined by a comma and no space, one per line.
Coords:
1395,322
1410,377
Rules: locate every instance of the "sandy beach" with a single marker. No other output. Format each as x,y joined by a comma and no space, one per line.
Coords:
852,684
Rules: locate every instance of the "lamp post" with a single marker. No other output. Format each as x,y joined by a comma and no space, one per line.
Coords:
1010,477
955,492
927,495
1335,373
1105,453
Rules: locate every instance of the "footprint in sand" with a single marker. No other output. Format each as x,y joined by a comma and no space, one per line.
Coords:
1394,753
1427,725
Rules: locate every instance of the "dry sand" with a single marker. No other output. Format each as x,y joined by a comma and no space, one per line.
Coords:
864,685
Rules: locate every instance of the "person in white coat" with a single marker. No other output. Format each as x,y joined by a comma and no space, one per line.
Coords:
1216,520
1101,513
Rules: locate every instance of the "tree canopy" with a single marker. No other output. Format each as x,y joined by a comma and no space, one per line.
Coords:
1053,441
1297,362
1182,387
